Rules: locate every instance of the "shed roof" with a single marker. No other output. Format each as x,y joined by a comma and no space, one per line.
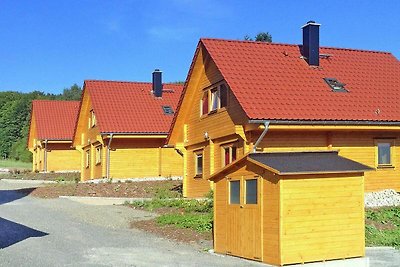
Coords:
307,162
286,163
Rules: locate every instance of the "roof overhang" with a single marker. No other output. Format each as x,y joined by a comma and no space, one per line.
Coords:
299,163
323,125
134,135
51,141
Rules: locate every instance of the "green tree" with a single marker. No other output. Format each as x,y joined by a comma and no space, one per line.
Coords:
72,93
13,117
260,37
15,109
263,37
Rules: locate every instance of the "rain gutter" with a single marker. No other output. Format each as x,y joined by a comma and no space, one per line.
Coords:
266,127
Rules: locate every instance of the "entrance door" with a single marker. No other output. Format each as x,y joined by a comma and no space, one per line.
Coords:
244,217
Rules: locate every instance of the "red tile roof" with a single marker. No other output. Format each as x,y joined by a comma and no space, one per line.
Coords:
272,81
130,107
55,120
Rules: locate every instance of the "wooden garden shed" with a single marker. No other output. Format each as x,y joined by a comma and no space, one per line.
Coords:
290,207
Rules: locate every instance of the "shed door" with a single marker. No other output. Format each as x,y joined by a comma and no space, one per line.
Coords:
244,217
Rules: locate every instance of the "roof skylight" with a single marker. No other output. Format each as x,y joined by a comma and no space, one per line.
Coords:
168,110
335,85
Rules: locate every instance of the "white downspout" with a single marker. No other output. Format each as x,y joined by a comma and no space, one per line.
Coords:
266,125
108,155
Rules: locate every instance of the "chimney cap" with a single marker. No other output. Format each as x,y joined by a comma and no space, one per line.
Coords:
311,22
157,70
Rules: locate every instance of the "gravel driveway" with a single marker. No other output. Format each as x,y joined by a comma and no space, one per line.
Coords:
60,232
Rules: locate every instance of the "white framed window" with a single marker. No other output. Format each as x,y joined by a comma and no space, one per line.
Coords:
98,155
213,99
87,163
198,156
92,119
229,154
384,148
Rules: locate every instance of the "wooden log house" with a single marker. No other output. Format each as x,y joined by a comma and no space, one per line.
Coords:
50,135
243,96
122,128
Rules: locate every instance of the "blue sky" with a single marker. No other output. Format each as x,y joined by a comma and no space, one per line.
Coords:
48,45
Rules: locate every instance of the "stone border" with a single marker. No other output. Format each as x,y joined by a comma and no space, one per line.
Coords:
105,180
22,181
103,201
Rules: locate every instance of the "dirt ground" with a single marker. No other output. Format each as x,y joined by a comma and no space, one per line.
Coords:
71,176
146,189
200,240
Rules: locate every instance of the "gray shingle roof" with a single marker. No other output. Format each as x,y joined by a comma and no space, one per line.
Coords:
308,162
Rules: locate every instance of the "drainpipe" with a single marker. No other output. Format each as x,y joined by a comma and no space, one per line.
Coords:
108,155
266,125
45,155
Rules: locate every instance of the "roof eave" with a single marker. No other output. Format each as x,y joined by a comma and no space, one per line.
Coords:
327,122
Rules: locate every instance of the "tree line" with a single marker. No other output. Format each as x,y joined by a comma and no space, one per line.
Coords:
15,110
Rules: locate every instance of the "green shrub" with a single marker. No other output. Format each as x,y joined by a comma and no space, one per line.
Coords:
383,227
59,179
165,192
195,221
188,205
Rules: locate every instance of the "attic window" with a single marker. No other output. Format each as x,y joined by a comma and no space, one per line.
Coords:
335,85
168,110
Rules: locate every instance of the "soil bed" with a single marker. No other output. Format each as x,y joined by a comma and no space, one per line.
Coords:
200,240
69,176
146,189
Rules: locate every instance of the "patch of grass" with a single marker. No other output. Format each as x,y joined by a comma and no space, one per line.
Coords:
164,192
183,213
8,163
186,205
201,222
382,227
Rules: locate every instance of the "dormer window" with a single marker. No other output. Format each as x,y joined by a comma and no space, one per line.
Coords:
214,98
92,119
335,85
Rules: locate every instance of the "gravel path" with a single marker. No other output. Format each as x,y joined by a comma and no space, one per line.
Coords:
384,198
60,232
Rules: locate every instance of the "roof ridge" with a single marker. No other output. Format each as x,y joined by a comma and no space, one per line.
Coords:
55,100
133,82
115,81
295,45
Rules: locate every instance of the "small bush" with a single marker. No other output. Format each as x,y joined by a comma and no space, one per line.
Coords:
164,192
192,205
60,179
198,222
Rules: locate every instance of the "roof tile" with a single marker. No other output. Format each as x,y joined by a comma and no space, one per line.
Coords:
130,107
272,81
55,120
